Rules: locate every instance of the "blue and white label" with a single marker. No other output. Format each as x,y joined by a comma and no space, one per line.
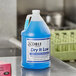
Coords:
38,50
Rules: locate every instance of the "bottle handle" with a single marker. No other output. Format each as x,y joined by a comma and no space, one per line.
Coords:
27,21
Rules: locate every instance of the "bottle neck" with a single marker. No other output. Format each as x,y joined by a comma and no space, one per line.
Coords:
36,17
36,14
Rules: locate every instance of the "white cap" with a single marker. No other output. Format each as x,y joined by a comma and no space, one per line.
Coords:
36,15
36,11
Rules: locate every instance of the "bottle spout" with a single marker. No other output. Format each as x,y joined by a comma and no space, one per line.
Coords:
35,11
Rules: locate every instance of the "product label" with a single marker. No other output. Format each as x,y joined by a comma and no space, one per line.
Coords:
38,50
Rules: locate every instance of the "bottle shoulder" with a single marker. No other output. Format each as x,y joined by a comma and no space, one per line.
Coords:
35,34
37,29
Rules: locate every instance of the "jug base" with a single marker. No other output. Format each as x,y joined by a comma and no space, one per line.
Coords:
36,65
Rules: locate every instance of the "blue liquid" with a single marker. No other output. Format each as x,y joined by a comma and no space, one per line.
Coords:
36,29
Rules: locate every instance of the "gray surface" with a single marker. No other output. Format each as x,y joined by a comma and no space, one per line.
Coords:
8,49
70,10
8,18
4,43
58,68
49,5
9,52
72,64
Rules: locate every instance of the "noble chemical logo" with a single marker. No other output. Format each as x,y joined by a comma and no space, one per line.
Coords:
36,44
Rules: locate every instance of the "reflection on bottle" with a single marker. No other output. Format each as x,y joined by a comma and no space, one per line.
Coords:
44,72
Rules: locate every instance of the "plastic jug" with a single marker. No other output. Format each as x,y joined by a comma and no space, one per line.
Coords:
35,42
